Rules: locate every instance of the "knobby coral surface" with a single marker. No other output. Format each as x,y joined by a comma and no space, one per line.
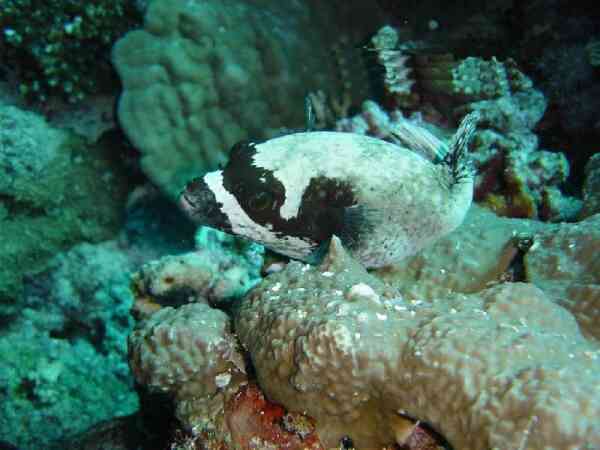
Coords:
500,365
560,259
503,368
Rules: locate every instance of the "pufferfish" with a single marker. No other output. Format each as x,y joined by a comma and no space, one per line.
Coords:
384,200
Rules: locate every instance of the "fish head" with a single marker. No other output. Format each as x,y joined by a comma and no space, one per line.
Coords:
199,202
242,199
245,199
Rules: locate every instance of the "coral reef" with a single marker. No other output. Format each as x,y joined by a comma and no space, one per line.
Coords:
50,46
64,355
363,361
208,273
393,56
478,254
203,75
487,250
360,361
413,132
591,187
533,180
472,78
64,349
84,294
514,177
512,103
47,177
164,336
373,120
190,353
563,261
257,423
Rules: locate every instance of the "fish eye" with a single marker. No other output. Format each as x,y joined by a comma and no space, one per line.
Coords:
193,185
261,201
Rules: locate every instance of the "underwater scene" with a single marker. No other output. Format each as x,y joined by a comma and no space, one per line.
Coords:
299,225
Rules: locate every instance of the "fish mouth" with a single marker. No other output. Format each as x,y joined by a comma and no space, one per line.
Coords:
199,203
192,196
187,203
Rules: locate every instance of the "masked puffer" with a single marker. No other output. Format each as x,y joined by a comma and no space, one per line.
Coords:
385,201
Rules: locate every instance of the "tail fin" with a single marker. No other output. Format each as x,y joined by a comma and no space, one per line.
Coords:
457,158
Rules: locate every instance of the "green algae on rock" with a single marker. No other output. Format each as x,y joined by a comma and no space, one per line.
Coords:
47,178
64,354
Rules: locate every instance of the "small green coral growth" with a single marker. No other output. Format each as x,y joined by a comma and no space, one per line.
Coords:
61,47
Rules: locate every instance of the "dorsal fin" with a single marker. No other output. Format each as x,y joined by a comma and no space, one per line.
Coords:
309,113
457,158
420,140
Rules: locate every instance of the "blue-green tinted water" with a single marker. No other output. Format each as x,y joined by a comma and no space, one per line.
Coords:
124,323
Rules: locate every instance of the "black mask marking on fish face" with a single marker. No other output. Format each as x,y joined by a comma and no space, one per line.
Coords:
200,203
258,192
261,195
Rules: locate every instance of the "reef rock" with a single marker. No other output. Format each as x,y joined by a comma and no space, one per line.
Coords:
213,273
47,178
488,250
591,187
503,368
489,337
64,356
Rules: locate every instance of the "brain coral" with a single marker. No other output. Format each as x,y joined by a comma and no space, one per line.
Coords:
202,75
505,368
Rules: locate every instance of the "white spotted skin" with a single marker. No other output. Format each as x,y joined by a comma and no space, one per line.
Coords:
408,196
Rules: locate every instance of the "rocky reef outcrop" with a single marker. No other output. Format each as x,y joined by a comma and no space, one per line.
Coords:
487,361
